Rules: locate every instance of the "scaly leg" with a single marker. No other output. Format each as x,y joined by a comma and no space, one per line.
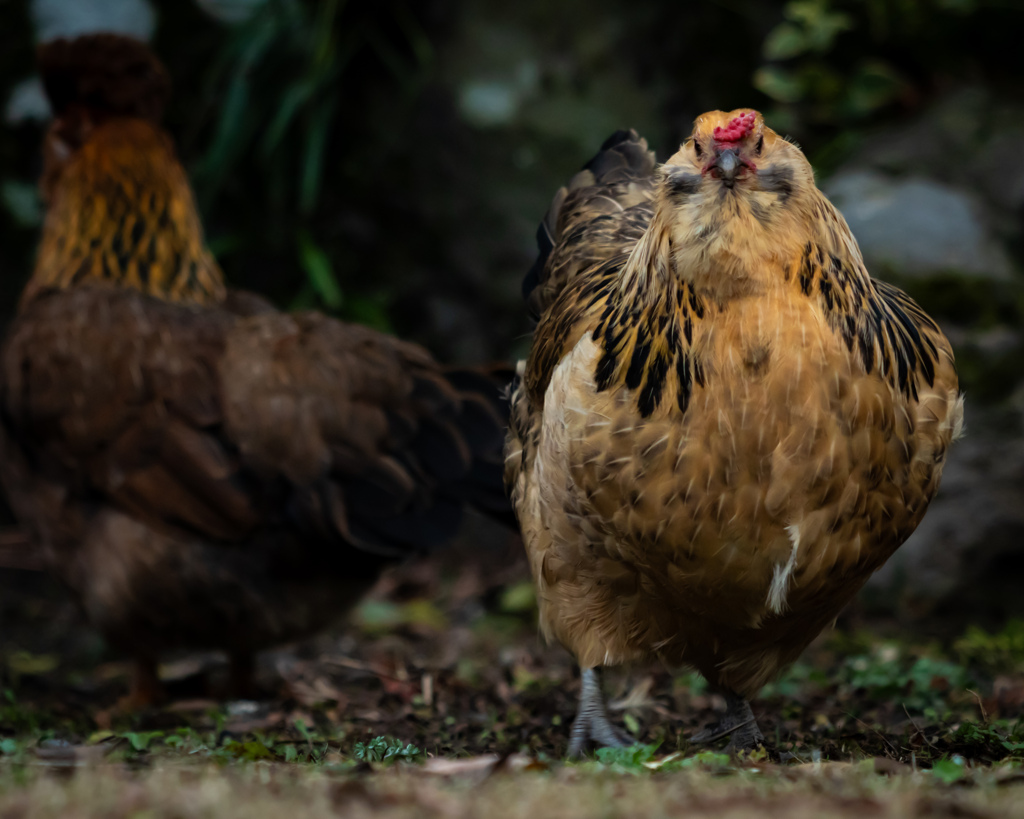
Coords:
738,723
592,723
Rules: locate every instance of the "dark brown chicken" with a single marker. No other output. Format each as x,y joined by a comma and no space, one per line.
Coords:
200,469
725,424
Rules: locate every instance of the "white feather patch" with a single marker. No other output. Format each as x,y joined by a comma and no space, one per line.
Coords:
783,573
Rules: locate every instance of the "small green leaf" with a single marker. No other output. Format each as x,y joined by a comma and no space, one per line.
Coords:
519,598
873,85
313,161
319,271
140,741
294,98
384,749
783,42
227,137
948,769
300,726
632,723
778,83
9,746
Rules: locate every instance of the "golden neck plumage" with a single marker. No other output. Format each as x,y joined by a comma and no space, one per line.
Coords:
121,213
733,246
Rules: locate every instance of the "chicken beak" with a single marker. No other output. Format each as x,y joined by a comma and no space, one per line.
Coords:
728,164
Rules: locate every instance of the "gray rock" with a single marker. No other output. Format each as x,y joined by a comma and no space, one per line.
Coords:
69,18
27,103
964,561
917,227
1000,168
940,143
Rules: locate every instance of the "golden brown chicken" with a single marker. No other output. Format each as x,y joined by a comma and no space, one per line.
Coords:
725,425
199,468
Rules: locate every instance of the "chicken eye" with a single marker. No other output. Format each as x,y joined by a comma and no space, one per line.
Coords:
760,145
697,149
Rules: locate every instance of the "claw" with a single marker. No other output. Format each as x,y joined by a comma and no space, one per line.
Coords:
592,724
739,723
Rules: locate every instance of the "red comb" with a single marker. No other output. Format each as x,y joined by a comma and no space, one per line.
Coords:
737,128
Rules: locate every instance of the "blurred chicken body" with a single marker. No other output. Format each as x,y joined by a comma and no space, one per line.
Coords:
202,470
724,425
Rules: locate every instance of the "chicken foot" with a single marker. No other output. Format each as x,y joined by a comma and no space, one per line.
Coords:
738,723
592,724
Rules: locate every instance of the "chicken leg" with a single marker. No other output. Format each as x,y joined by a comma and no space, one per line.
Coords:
592,723
738,723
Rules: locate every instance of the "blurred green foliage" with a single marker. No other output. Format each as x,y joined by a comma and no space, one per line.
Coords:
302,55
280,88
996,652
923,683
389,162
838,62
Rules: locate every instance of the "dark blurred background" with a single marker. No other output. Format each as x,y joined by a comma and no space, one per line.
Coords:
388,162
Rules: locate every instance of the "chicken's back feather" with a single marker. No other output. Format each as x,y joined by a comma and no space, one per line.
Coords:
600,213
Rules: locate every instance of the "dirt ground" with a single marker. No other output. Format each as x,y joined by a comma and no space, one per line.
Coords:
438,698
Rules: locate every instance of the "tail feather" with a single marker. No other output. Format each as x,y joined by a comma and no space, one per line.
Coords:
623,156
485,407
454,459
617,179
